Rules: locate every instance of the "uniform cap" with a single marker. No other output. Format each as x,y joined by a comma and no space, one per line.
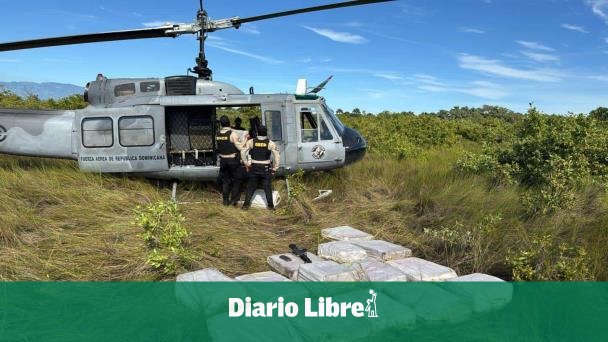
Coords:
224,121
263,131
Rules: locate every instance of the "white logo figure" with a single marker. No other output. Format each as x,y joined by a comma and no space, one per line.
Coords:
371,305
318,152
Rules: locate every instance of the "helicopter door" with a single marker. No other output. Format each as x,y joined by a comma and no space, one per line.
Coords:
272,116
319,146
122,140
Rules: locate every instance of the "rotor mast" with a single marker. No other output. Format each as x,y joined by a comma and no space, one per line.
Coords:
202,64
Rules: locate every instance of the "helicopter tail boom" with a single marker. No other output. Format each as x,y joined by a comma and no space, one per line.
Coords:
37,133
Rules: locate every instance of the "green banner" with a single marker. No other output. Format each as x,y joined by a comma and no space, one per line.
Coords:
304,311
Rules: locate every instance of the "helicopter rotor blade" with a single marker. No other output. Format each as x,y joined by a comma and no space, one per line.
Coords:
321,86
168,30
239,21
202,25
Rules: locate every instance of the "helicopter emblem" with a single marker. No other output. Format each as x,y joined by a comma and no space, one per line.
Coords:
318,152
3,133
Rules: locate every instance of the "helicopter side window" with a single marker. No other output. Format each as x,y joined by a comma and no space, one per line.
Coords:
149,87
310,128
124,89
136,131
273,122
97,132
325,132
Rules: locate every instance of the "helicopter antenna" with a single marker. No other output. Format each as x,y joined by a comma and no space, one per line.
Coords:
201,27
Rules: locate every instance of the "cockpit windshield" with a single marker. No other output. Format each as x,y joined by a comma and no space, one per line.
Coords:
334,119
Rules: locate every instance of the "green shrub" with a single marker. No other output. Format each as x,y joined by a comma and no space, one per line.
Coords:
297,187
165,236
546,260
472,163
11,100
600,113
470,249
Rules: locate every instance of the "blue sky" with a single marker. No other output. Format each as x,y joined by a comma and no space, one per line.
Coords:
407,55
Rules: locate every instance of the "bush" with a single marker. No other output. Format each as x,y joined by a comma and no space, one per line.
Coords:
550,156
544,260
165,236
472,163
470,249
11,100
600,113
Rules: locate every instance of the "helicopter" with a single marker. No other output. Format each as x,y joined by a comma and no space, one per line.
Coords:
165,128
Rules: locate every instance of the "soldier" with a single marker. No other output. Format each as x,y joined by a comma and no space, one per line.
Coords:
238,125
229,148
261,157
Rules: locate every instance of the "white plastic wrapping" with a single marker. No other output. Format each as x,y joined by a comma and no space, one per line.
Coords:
342,252
431,303
383,250
477,277
191,292
323,330
422,270
259,199
345,233
325,271
482,298
288,264
206,275
262,277
377,271
248,329
406,319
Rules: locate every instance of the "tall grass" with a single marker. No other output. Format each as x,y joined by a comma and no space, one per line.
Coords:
61,224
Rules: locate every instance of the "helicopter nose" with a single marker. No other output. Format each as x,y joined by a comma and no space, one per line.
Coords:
355,145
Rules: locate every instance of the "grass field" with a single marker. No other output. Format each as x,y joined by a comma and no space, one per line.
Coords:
520,196
61,224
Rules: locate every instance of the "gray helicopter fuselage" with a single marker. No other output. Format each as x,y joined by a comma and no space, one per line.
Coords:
165,129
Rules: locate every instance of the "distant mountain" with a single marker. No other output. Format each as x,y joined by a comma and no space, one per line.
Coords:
43,90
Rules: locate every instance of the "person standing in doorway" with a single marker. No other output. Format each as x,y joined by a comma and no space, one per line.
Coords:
229,147
261,157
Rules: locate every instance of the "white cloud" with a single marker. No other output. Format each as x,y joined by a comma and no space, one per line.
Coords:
534,45
10,60
482,89
250,28
389,76
498,68
376,94
472,30
599,7
264,59
603,78
304,60
155,23
428,80
574,28
353,24
385,74
540,57
342,37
